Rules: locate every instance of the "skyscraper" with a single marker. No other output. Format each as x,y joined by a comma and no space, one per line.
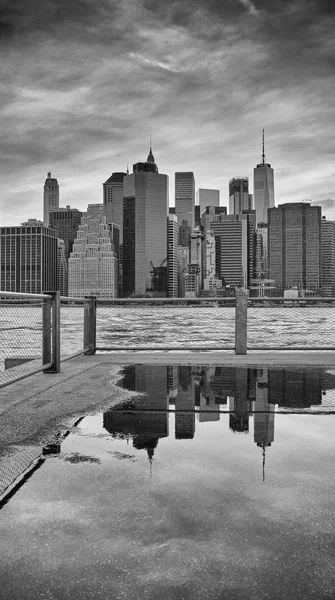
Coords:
50,197
113,203
328,257
113,199
149,422
172,256
239,405
28,259
206,197
212,284
239,197
234,248
184,405
294,246
264,195
261,256
295,388
264,415
210,214
264,411
185,197
93,265
193,278
62,270
145,243
66,221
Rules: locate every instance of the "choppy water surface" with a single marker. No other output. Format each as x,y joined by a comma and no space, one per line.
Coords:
166,326
215,326
203,485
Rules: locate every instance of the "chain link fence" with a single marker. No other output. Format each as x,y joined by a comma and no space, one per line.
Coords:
271,325
36,328
71,328
24,339
291,325
165,327
38,331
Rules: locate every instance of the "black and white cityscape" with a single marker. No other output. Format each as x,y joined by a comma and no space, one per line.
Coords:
134,244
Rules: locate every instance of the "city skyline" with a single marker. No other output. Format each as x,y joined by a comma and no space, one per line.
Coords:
84,88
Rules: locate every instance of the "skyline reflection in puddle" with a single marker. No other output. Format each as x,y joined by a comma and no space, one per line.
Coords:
202,393
168,495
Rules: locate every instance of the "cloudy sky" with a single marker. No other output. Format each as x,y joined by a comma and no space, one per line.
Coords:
85,82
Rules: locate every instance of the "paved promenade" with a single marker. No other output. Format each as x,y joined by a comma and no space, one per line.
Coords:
35,408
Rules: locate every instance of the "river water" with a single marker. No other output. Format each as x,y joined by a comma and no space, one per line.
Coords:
166,327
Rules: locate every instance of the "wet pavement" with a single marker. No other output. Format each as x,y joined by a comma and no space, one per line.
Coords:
201,484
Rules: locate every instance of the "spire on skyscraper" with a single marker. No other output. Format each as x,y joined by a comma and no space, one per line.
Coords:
263,155
263,446
263,163
150,158
263,458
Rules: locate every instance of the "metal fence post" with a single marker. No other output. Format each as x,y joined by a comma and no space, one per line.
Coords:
90,324
46,317
241,323
51,338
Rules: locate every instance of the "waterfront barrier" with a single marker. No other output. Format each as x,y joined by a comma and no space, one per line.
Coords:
40,331
31,327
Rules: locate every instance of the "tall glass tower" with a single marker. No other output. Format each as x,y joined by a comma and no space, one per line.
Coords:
264,194
145,230
185,197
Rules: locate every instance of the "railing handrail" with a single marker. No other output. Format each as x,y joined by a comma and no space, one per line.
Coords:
23,295
70,299
210,300
297,299
164,300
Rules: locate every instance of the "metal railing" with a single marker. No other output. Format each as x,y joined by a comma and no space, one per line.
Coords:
30,327
306,324
39,331
165,324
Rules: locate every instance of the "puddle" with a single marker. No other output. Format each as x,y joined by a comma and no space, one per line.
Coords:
203,485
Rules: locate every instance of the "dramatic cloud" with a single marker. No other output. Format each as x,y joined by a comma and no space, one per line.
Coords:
84,84
327,205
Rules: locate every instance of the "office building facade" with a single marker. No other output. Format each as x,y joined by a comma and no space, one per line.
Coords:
239,197
50,198
145,244
113,203
234,248
183,262
28,258
93,264
172,256
62,270
207,197
113,200
185,198
328,257
211,283
66,222
294,247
